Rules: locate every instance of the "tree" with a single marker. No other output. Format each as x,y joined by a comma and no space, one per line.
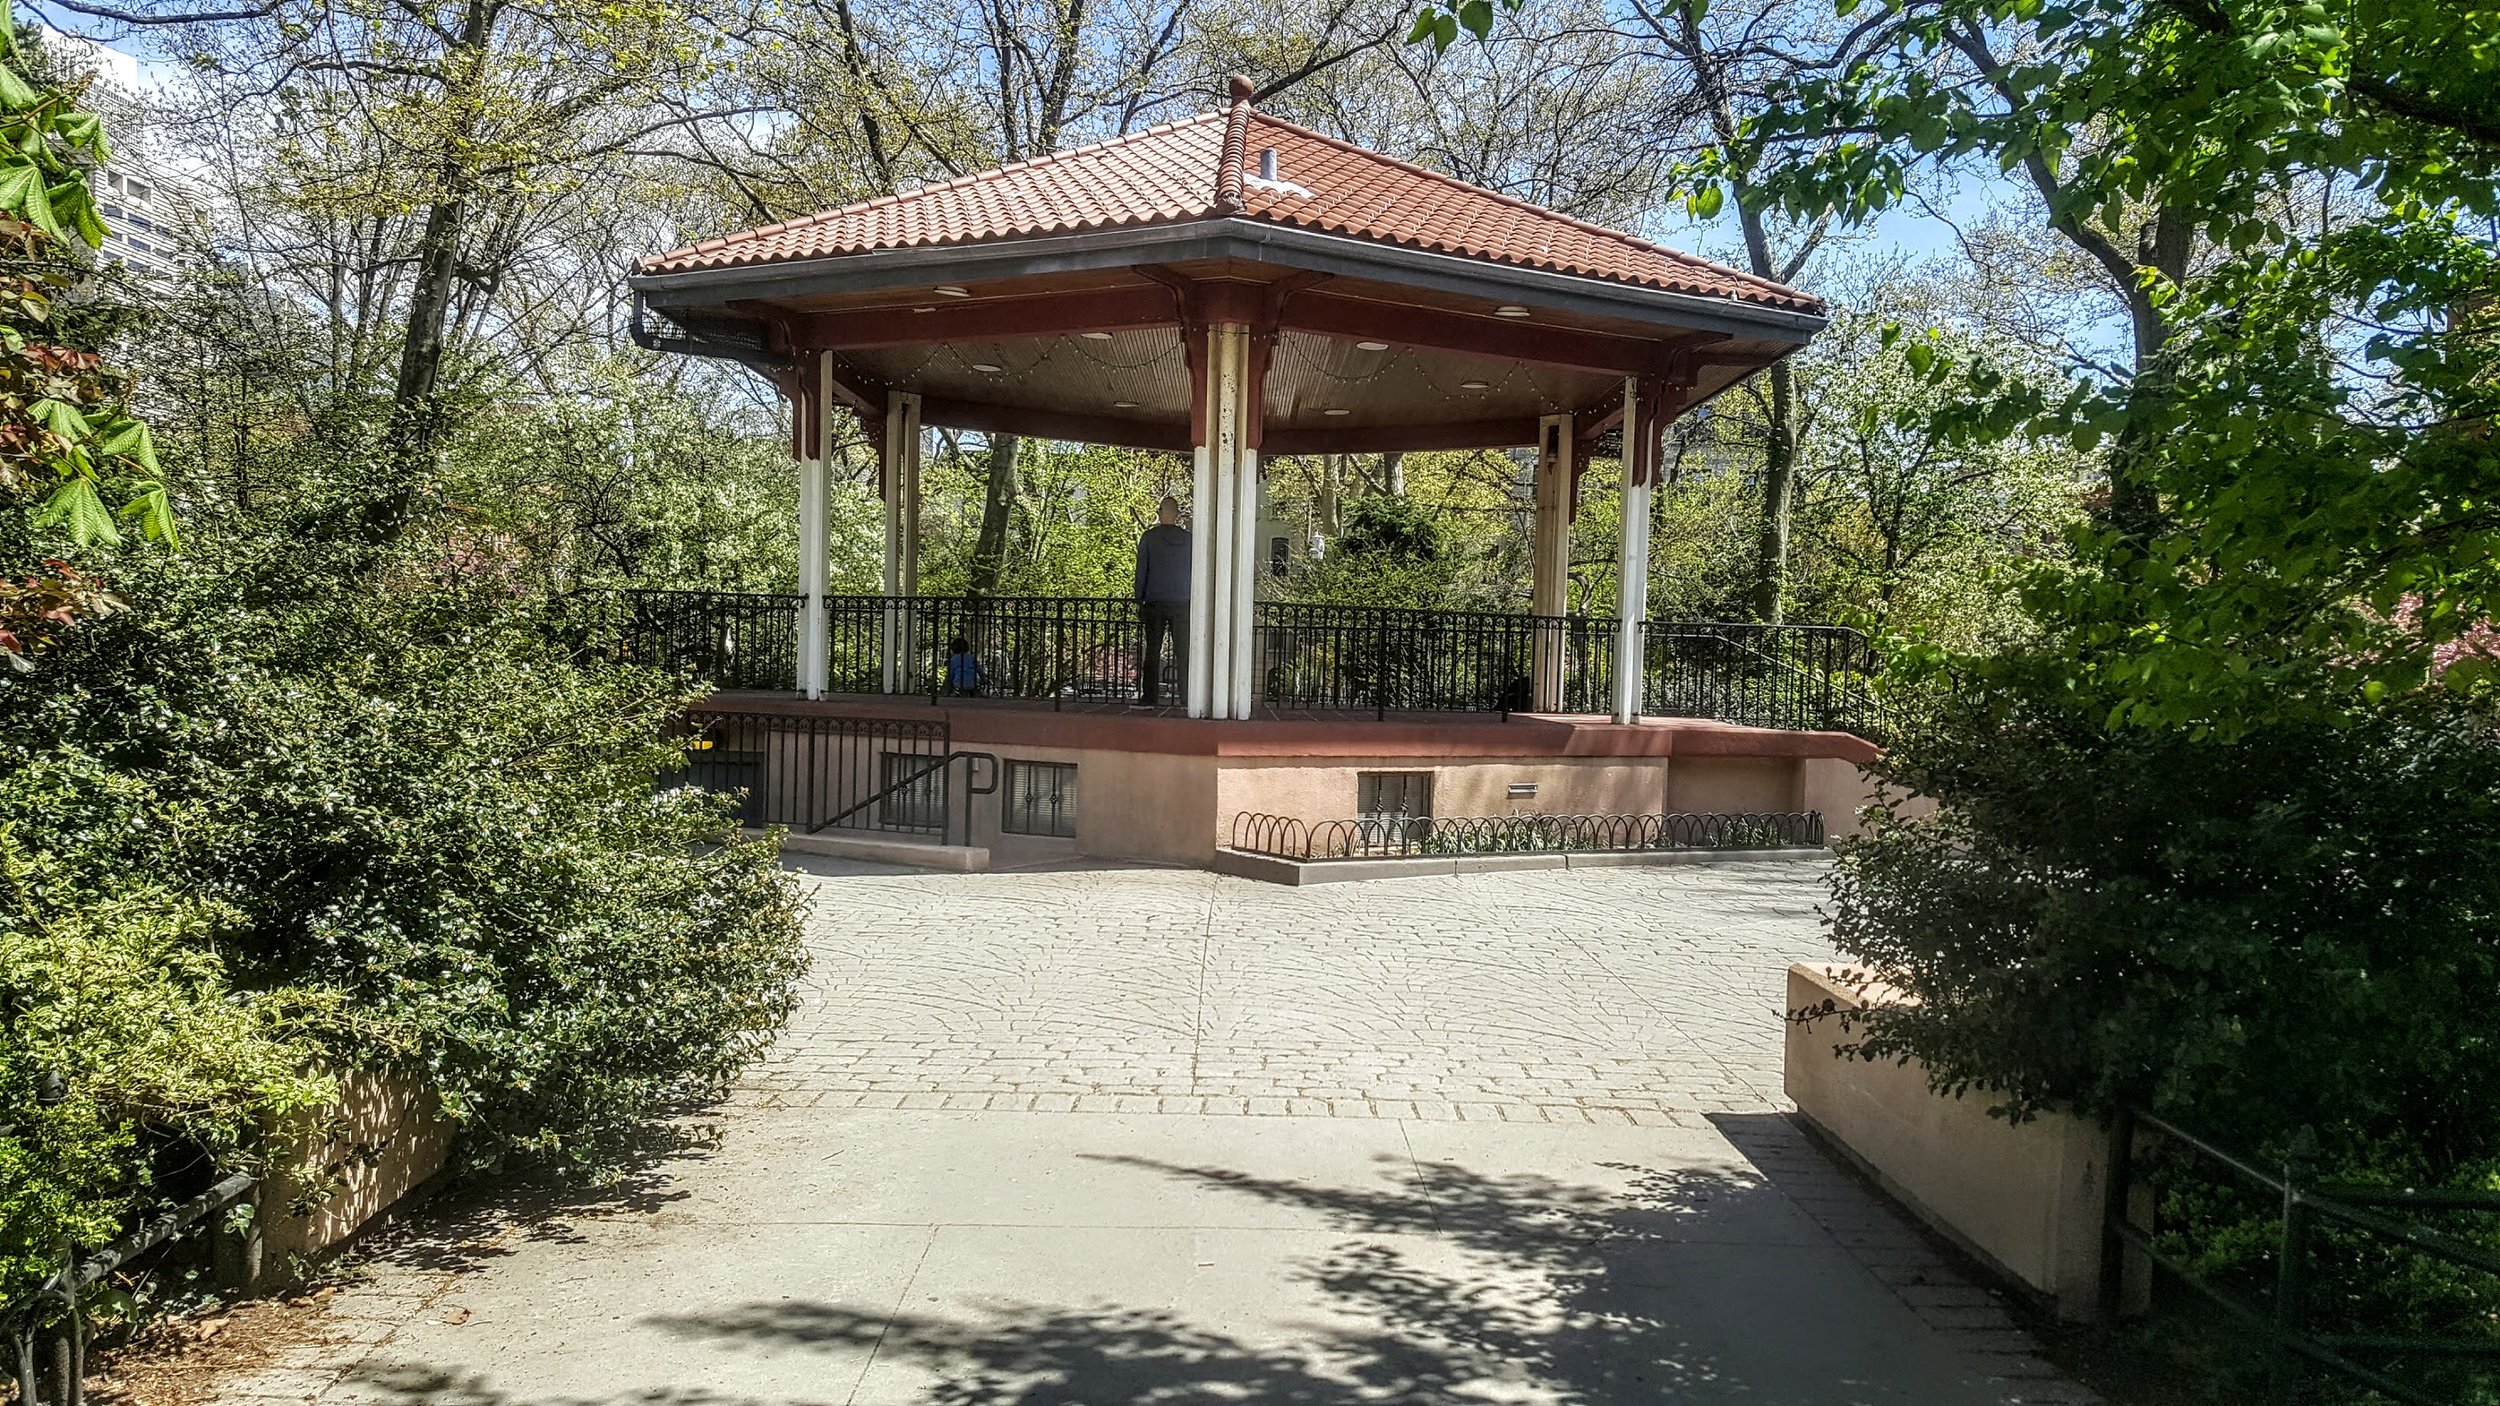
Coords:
67,437
424,145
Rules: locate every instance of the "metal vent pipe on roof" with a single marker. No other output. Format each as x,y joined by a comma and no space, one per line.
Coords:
1267,163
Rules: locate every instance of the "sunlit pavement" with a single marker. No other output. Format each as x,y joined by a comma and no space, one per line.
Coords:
1133,1136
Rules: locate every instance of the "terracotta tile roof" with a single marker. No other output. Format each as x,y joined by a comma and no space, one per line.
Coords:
1179,172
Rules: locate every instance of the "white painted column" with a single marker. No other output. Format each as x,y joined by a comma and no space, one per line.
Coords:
1224,387
1549,552
815,528
1632,561
1241,606
1204,518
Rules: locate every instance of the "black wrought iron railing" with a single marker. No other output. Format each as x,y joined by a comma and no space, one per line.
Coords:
2334,1249
1327,658
1799,677
1017,647
730,639
1385,659
813,773
1410,836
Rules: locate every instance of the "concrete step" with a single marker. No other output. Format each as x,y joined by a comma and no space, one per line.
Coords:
888,849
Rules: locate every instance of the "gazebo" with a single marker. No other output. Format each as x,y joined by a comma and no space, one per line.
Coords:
1234,287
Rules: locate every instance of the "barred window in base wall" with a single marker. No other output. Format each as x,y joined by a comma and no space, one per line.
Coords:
1040,799
919,804
1395,807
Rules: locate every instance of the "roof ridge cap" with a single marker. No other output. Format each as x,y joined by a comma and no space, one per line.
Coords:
1532,207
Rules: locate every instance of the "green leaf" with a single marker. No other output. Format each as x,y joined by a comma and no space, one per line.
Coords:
130,439
1477,16
74,505
60,417
1424,21
155,514
1921,356
16,94
1706,202
22,195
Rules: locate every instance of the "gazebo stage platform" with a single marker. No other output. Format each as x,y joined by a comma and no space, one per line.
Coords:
1116,781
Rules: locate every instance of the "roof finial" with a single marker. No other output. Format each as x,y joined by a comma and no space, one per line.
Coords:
1236,139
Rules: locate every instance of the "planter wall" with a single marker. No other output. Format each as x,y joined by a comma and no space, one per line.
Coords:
2025,1200
384,1139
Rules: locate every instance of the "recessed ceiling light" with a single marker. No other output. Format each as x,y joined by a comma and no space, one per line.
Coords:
1124,405
1098,336
1336,412
1371,346
949,290
985,366
1475,385
1505,310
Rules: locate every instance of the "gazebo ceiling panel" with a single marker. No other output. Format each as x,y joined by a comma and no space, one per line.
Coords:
1136,383
1321,393
1312,376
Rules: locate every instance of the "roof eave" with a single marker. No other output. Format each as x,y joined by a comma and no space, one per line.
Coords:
1233,237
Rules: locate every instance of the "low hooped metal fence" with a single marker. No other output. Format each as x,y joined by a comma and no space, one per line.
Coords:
1398,837
48,1331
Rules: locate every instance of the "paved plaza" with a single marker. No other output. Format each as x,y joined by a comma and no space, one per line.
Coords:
1147,1136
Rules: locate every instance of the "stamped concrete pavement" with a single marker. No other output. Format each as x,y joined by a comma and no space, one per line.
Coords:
1148,1136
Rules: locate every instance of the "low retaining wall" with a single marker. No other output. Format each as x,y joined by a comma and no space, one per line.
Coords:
2025,1199
384,1139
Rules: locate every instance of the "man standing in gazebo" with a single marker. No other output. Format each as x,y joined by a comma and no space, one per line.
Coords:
1163,598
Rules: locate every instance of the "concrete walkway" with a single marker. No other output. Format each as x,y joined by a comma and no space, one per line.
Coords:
1156,1137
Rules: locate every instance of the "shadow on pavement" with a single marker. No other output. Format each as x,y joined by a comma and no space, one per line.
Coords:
1674,1283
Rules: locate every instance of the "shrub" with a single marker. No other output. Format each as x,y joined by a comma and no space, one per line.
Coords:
406,793
2292,929
131,1063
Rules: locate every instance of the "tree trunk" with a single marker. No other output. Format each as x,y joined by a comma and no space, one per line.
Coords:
416,423
1779,492
998,499
1393,473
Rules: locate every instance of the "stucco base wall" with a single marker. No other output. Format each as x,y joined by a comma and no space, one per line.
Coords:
2024,1199
382,1140
1166,790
